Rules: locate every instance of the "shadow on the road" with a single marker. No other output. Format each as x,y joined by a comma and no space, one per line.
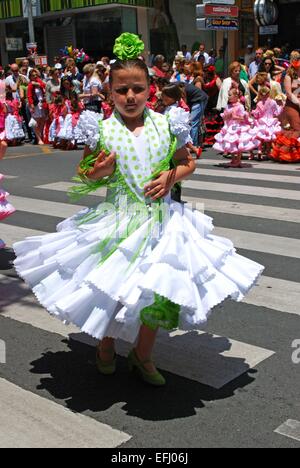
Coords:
73,377
12,289
7,257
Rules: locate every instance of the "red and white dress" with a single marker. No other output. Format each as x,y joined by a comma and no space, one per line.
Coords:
13,121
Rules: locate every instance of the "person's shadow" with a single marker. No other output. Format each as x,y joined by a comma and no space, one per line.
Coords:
72,377
12,289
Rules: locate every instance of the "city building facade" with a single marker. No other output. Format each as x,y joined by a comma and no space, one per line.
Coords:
164,25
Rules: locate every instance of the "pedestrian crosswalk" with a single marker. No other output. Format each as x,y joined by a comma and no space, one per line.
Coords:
207,358
39,422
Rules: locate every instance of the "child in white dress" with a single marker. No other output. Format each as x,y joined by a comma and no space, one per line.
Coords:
140,261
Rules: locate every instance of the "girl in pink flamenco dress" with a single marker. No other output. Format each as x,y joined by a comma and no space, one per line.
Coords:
266,123
237,136
6,209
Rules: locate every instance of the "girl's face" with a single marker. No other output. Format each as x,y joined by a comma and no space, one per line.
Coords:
130,92
236,73
232,98
264,97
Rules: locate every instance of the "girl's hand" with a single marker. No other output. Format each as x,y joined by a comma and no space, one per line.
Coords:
161,186
104,166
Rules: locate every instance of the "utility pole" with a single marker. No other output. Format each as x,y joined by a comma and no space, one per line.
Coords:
30,21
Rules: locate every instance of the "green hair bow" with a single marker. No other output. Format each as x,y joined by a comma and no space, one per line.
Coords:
128,46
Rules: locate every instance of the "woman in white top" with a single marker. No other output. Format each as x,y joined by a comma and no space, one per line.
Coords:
92,88
228,83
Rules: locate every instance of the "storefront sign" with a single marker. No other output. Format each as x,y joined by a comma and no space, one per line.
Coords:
14,44
218,11
222,24
221,2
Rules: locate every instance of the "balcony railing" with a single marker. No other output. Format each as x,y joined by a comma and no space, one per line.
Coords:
14,8
59,5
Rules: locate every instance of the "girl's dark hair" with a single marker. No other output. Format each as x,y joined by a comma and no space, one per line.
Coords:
58,99
75,102
126,65
173,91
163,82
9,94
65,79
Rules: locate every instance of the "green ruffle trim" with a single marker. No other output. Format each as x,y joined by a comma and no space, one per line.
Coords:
163,313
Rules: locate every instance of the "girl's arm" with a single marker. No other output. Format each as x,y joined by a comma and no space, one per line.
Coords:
288,88
219,83
160,187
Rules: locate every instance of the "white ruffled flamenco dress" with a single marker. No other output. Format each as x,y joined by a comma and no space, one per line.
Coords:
104,267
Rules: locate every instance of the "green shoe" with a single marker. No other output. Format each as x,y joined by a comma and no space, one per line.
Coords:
106,368
155,379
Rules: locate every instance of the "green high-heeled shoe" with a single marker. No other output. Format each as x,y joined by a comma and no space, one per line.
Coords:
152,378
106,368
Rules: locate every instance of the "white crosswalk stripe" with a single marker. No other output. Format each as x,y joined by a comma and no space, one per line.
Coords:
35,422
269,165
248,176
212,360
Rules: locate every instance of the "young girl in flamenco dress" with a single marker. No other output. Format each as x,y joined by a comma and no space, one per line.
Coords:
237,135
140,261
6,209
266,124
13,122
58,112
70,134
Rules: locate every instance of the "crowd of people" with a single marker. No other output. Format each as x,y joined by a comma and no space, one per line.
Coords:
259,99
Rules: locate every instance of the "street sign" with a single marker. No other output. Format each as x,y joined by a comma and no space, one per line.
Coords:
220,2
269,30
218,24
225,11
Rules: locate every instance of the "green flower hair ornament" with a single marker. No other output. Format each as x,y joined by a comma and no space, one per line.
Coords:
128,46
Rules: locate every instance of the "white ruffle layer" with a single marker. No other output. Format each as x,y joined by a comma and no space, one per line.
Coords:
53,130
188,265
13,128
70,133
